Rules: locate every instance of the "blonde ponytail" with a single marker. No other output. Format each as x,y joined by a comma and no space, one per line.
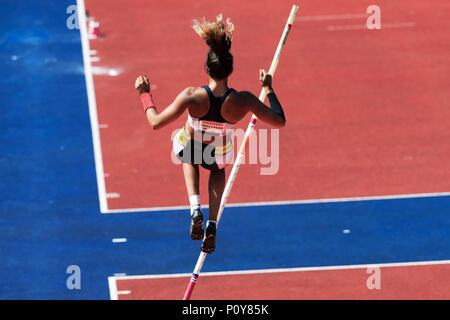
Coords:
218,37
215,34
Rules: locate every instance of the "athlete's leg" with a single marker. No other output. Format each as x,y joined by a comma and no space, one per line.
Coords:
216,186
192,178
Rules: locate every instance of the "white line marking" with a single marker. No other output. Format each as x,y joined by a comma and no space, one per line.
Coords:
113,73
291,202
332,17
113,195
363,26
92,52
120,274
113,292
119,240
124,292
95,59
92,107
128,210
103,126
104,71
282,270
112,284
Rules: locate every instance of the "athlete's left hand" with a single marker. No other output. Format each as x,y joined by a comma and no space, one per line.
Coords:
142,85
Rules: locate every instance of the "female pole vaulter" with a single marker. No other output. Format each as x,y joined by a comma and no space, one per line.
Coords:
213,110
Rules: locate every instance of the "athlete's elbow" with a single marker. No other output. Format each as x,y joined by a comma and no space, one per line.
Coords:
155,124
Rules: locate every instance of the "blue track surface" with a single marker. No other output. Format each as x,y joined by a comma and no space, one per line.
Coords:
49,210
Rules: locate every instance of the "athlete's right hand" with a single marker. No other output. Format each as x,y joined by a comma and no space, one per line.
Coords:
266,80
142,85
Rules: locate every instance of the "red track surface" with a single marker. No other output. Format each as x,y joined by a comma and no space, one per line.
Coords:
363,107
412,282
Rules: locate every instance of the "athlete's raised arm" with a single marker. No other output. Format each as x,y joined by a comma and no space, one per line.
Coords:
169,114
273,115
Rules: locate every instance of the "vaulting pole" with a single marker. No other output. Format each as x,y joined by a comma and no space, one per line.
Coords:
241,153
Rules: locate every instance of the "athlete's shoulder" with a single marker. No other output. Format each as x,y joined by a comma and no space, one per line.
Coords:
243,96
192,93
